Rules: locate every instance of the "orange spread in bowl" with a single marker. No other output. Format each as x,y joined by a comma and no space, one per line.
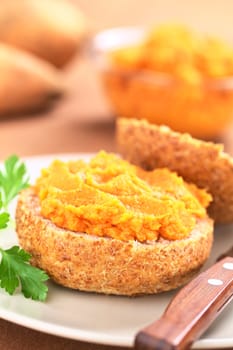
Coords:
173,77
110,197
179,51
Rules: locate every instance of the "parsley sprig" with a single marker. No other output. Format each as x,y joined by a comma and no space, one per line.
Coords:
13,179
15,268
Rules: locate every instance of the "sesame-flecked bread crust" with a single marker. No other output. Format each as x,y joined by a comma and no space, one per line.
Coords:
203,163
105,265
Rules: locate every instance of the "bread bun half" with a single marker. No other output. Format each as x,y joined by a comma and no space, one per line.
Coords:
203,163
105,265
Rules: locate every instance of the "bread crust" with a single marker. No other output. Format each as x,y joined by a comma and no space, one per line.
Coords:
203,163
105,265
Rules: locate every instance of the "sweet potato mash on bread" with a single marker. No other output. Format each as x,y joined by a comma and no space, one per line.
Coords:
109,226
109,197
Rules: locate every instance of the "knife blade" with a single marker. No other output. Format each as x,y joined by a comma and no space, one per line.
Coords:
192,310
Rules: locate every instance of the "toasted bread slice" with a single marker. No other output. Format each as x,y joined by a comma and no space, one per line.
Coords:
105,265
203,163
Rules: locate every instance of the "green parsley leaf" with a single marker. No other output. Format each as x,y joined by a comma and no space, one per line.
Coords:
4,220
15,271
15,268
13,178
4,216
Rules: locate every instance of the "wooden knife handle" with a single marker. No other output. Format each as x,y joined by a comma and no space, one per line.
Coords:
191,311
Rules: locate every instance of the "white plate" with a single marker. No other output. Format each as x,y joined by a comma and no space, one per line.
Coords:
104,319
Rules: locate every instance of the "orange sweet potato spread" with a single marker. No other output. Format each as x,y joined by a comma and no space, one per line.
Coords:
110,197
176,77
179,51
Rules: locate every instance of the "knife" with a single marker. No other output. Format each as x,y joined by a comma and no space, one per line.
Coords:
192,310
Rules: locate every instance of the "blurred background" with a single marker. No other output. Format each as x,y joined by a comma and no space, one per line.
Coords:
50,84
213,17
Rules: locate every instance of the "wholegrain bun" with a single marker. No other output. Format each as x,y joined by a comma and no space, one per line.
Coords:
203,163
98,264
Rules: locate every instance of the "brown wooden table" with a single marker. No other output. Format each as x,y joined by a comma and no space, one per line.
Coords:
80,122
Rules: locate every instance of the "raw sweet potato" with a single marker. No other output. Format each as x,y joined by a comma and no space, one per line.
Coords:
27,83
51,29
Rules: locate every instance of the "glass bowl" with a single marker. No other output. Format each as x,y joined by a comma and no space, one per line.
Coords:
204,111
